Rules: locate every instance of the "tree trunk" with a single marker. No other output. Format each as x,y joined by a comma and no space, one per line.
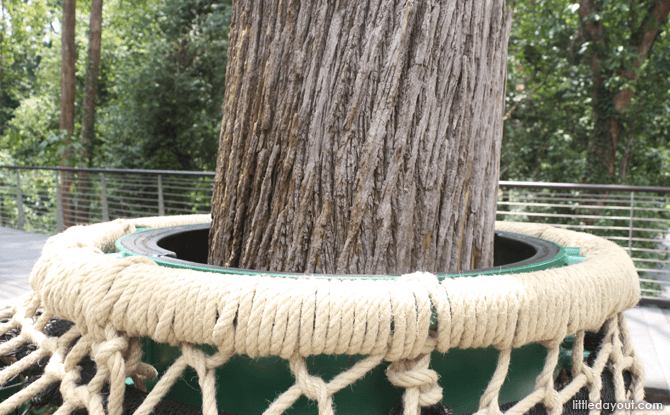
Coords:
360,137
67,103
90,89
2,56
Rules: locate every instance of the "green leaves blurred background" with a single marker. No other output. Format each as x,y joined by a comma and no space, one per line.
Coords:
163,75
563,87
160,89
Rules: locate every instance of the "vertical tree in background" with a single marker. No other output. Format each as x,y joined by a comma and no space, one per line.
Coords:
588,91
360,136
611,100
90,89
67,102
2,47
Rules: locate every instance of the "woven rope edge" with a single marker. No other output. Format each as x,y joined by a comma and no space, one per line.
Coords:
258,315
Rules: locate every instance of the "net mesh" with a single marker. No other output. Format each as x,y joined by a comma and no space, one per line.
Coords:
111,305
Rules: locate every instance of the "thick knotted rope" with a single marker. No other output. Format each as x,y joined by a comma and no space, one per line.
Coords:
114,301
420,383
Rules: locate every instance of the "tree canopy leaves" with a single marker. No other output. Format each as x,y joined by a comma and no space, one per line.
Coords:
160,89
587,103
587,96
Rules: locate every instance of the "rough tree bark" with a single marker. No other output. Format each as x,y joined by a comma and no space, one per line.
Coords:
360,136
90,90
67,102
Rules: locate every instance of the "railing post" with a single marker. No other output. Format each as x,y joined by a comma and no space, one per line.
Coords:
161,205
60,222
105,206
21,219
630,226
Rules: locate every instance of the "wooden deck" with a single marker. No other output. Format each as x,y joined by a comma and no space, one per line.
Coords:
18,253
650,330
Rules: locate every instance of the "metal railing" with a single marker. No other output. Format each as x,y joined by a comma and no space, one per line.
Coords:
636,218
32,198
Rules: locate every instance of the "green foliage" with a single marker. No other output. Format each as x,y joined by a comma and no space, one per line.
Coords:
561,91
164,110
160,87
30,133
561,95
24,34
163,72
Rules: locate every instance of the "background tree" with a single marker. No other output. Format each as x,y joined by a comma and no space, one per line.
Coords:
164,108
160,85
67,102
570,67
360,137
161,81
90,89
31,63
588,94
611,102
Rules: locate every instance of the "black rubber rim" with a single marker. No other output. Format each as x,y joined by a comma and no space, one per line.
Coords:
185,246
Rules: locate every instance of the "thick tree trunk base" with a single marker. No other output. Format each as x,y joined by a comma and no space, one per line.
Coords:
360,137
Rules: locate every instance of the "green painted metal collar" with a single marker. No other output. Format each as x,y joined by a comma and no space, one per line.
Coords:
565,256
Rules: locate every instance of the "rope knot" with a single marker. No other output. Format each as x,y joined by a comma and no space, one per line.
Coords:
145,371
420,382
195,358
72,392
312,387
412,378
107,352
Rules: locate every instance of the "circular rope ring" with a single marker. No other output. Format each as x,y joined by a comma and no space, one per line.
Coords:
113,301
76,282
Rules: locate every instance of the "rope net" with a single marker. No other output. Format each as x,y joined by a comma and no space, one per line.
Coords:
111,302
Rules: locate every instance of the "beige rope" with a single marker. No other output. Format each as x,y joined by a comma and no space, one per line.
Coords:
114,301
